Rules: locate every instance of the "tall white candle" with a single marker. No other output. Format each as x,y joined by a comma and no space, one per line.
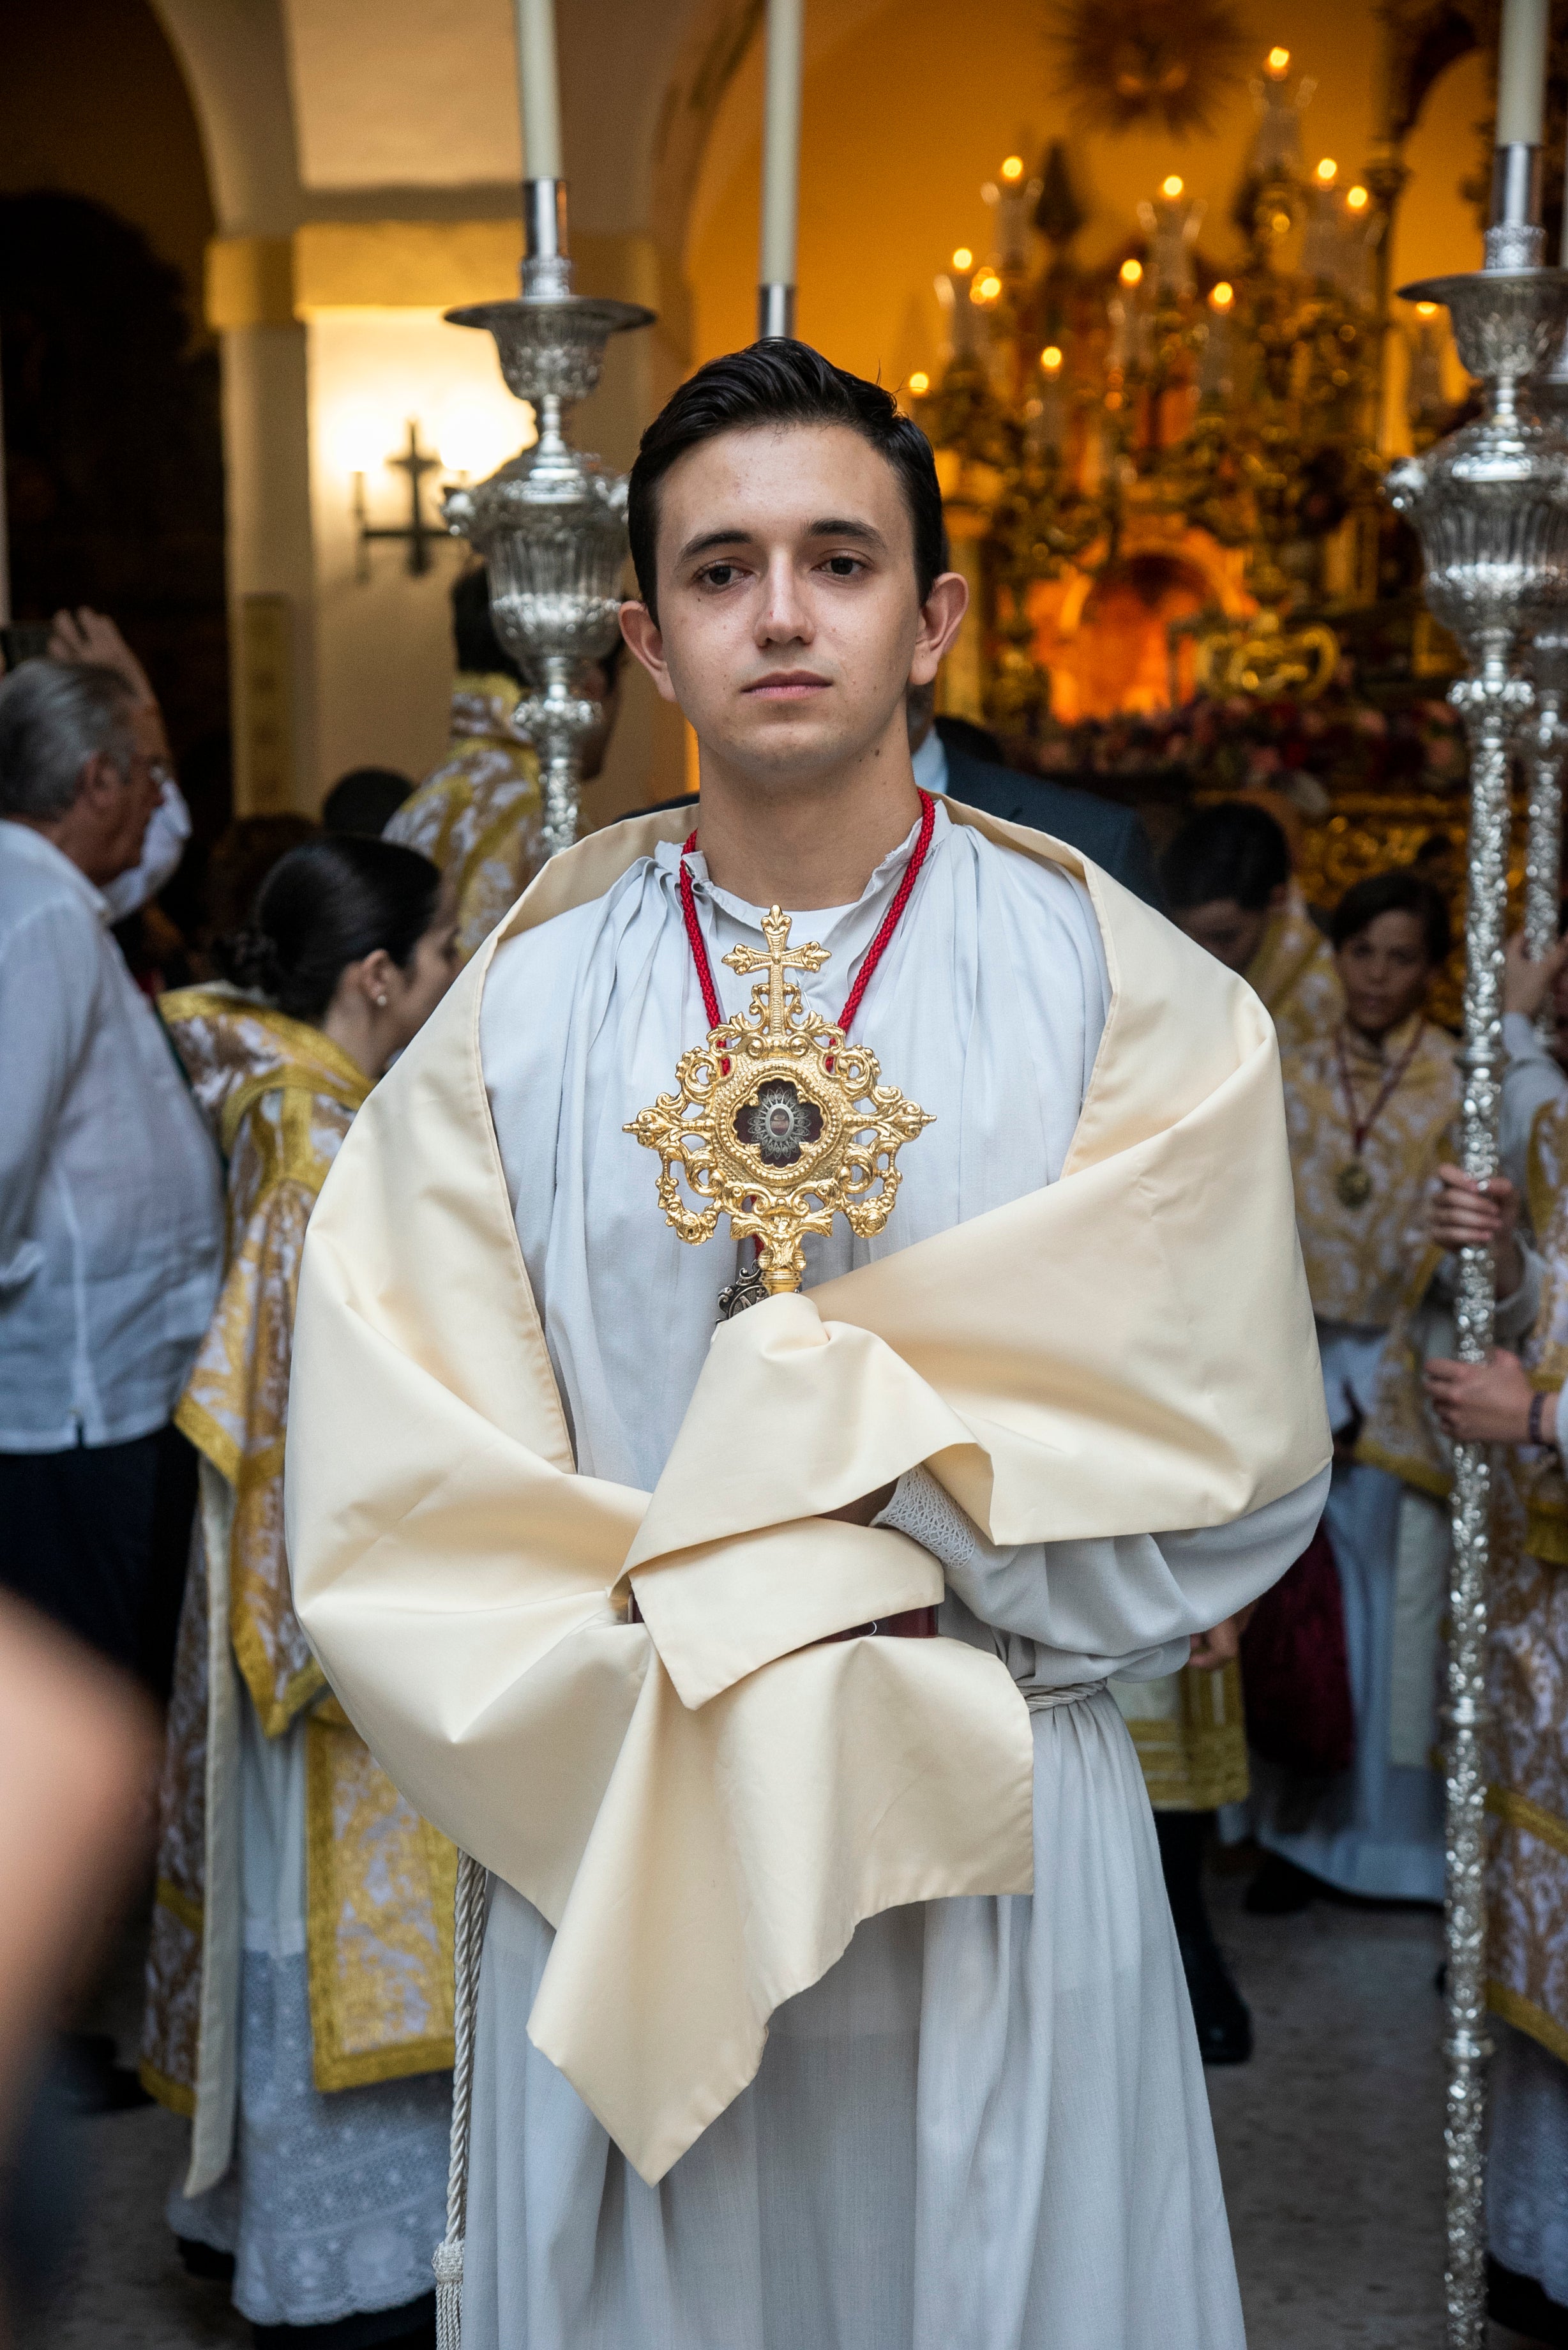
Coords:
538,86
1522,73
781,142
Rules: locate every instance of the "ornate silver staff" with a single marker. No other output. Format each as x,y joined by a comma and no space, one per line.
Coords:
1491,504
1545,743
551,525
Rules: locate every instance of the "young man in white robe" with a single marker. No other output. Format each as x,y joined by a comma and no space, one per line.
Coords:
829,1998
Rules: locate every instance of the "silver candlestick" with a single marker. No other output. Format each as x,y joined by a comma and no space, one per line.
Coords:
1490,506
551,525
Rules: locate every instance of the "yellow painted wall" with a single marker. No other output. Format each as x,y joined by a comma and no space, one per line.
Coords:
910,109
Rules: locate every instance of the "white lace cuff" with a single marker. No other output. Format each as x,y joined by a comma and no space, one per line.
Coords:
928,1513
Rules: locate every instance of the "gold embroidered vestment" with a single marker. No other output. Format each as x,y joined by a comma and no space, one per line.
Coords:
280,1097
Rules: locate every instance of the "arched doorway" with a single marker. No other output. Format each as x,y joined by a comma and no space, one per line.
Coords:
114,473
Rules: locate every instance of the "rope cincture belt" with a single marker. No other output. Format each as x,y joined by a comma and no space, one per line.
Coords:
468,1935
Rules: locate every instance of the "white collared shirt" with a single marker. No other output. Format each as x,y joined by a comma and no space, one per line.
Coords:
111,1213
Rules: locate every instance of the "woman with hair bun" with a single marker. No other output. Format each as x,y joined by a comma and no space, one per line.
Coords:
299,1975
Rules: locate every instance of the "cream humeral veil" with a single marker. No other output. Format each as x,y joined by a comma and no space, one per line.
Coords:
705,1806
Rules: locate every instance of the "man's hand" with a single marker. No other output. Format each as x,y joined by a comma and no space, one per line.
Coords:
1221,1645
1526,984
861,1513
1485,1403
1466,1212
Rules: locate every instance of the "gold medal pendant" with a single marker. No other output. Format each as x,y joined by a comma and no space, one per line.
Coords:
779,1123
1354,1185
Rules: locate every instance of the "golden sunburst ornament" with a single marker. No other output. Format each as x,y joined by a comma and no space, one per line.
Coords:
778,1123
1166,62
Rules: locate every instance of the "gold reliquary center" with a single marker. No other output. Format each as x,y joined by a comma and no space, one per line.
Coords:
778,1122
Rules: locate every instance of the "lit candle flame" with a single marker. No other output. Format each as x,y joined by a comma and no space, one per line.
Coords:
1425,309
1050,359
1326,171
1131,271
919,383
1013,169
1222,296
1277,64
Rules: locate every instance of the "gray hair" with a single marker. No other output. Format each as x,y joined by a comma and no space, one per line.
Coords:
54,717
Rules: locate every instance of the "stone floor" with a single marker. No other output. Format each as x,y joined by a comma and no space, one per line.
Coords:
1330,2140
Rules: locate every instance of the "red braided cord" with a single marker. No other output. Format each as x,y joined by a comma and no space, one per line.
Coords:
878,947
874,952
710,1003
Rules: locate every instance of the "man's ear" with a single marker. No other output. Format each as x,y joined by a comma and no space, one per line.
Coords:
99,780
640,629
942,615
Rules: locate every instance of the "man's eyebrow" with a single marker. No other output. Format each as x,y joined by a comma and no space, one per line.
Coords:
865,534
845,526
710,538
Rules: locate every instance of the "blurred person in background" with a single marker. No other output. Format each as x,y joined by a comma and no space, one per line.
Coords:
77,1752
951,755
478,815
111,1192
1228,884
1371,1107
91,637
1536,1071
242,856
364,800
301,2017
1517,1403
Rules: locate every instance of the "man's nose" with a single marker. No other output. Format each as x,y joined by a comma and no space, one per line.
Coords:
784,617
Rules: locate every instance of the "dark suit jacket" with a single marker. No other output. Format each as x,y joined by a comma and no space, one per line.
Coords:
1113,836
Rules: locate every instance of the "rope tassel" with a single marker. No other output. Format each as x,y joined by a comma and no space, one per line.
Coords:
467,1941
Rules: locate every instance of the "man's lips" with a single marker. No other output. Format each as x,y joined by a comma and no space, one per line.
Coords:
786,685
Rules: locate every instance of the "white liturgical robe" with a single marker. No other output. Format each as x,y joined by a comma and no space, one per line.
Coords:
987,2124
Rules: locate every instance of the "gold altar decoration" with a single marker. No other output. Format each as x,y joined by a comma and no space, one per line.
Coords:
779,1123
1178,433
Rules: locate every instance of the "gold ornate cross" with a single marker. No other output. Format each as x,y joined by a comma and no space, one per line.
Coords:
779,957
779,1123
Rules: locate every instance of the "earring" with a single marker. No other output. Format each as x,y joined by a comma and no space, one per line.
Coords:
381,1004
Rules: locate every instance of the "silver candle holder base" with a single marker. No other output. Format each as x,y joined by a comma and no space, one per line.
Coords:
551,525
1490,506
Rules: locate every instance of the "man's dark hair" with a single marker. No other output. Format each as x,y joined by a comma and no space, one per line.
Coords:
772,384
1235,850
1400,892
364,800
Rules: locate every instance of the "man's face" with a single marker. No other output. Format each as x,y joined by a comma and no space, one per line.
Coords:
1231,933
115,805
789,615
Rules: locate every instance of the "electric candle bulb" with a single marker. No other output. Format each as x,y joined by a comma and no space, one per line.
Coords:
1051,360
963,258
1222,296
1326,171
1131,271
919,383
1425,309
1358,198
1172,186
1013,167
1277,64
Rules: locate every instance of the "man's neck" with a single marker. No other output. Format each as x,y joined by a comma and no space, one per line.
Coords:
806,845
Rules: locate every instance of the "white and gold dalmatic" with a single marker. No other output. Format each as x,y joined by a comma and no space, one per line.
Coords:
1085,1322
253,1733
